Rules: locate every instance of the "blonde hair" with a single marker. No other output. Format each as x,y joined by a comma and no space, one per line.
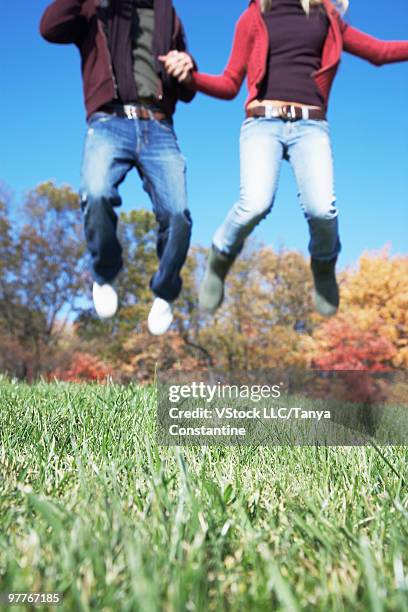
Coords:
342,5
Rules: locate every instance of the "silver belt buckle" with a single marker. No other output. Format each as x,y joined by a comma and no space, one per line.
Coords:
130,111
283,112
287,112
269,111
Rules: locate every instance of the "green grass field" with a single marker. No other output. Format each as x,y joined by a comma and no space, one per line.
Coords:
92,508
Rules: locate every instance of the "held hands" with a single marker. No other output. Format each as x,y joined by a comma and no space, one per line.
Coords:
179,65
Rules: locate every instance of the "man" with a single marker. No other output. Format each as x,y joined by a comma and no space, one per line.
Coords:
130,101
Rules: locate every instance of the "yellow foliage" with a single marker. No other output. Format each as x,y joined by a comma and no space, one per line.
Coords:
373,297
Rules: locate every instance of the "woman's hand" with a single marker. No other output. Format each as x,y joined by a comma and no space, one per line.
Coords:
179,65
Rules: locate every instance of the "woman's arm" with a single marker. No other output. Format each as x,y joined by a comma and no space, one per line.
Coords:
62,22
376,51
228,84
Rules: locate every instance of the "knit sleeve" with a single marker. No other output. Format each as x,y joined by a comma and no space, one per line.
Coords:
376,51
228,84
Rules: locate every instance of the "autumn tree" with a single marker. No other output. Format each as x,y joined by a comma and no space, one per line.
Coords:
83,367
352,341
371,331
266,310
44,272
11,352
379,288
7,246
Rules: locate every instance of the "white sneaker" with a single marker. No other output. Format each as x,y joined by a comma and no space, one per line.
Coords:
160,317
105,300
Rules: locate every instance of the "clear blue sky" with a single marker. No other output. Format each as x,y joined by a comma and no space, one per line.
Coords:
43,127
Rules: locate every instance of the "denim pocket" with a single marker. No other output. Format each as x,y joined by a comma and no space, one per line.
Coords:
322,124
99,117
164,124
248,121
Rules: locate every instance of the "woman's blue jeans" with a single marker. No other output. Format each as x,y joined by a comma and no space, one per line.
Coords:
264,143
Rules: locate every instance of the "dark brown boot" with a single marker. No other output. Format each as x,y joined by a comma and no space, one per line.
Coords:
326,289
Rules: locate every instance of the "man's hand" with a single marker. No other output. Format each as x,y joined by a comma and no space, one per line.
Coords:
178,65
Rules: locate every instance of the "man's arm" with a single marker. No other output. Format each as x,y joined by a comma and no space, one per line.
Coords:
185,92
63,22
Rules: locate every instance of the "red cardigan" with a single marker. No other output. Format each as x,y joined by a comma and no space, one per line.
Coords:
251,45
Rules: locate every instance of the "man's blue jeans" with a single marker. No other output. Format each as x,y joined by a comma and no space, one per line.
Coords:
264,143
113,146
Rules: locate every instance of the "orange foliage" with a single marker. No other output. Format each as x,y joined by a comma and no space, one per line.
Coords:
84,367
144,355
378,290
371,331
343,343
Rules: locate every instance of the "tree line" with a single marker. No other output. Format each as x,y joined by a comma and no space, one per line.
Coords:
48,328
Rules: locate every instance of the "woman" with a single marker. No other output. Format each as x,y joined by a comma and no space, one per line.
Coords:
290,51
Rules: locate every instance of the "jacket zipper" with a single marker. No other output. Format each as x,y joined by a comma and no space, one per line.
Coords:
115,85
160,88
160,93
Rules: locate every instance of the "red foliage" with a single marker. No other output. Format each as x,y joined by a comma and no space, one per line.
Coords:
84,367
353,344
345,345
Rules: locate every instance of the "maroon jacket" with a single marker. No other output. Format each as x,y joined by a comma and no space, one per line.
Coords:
250,52
84,22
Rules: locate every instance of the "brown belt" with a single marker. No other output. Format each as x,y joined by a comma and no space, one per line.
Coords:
287,112
133,111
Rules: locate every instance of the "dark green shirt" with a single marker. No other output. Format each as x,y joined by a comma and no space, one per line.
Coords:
144,67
